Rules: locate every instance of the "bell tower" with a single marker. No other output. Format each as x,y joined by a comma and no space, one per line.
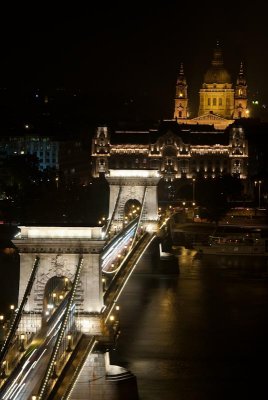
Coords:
181,97
240,100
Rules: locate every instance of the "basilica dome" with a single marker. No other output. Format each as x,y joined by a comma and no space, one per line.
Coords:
217,73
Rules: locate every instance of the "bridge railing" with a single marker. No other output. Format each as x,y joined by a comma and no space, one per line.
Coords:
113,214
118,240
45,382
19,358
17,317
117,284
64,386
140,216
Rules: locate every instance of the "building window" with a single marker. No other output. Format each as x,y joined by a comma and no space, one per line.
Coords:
214,101
180,114
209,101
220,101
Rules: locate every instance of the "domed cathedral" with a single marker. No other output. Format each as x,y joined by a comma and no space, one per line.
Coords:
219,103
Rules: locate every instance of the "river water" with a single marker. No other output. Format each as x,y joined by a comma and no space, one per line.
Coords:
198,331
193,330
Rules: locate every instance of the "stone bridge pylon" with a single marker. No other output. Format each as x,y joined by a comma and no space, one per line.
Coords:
135,185
59,250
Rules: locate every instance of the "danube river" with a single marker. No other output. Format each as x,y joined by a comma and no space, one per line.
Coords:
198,331
193,330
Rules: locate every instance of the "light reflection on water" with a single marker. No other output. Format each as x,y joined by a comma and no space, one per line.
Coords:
198,334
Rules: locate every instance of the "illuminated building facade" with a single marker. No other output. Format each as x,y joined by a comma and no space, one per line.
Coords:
176,151
220,103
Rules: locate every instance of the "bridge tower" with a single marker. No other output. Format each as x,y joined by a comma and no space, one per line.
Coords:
138,185
59,249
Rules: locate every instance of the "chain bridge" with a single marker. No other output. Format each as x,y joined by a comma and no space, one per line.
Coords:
57,343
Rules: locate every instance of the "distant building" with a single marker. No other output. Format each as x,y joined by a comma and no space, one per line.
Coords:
220,102
69,158
44,148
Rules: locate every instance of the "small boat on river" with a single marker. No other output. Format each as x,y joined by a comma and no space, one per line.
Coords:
234,244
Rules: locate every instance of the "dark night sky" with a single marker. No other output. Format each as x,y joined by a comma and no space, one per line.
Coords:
131,52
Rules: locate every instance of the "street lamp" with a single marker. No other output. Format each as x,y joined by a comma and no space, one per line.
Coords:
66,282
69,338
22,338
54,373
4,369
259,191
54,297
193,190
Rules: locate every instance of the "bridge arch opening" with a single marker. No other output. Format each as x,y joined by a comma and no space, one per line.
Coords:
55,291
132,209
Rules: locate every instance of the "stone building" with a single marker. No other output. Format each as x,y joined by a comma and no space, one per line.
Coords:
220,102
175,150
